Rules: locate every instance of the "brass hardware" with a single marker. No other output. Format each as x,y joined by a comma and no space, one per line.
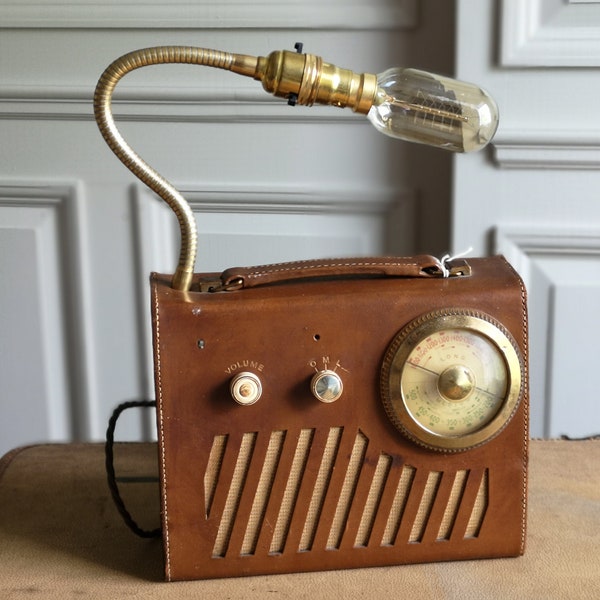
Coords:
216,285
209,285
450,268
282,73
459,268
456,383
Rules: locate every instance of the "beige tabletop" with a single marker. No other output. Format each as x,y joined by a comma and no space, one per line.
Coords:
61,537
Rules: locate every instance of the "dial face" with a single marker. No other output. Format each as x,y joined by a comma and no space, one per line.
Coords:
451,381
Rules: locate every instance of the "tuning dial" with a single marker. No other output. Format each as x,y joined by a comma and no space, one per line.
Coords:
326,386
452,380
245,388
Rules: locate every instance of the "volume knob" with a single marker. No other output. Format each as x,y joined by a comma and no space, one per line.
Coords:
326,386
245,388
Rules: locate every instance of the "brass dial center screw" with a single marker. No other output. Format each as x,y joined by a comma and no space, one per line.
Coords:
456,383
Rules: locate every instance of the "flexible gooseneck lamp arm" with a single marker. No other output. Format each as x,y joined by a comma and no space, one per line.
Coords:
405,103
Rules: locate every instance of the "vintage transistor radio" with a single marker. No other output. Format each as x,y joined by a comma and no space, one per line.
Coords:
338,413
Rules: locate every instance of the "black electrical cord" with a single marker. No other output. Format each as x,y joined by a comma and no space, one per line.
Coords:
110,468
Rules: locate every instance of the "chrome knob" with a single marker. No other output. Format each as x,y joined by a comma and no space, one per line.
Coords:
326,386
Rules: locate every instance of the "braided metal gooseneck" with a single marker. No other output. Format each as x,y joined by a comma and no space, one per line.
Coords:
301,78
104,117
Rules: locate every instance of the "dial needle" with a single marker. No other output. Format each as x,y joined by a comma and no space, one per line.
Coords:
431,372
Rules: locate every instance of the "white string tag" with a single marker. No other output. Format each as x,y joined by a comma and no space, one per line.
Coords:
448,258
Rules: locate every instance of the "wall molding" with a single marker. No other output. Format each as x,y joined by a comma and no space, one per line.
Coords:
550,33
55,86
260,200
529,149
521,245
555,265
69,347
156,228
268,14
156,105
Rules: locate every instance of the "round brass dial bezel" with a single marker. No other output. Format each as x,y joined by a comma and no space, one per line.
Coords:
408,338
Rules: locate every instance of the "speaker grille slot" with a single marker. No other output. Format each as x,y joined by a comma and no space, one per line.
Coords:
307,489
211,476
456,493
291,491
398,506
262,492
373,499
479,508
234,495
425,506
321,484
347,493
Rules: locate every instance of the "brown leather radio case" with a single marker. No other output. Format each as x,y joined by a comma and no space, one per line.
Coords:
338,413
279,481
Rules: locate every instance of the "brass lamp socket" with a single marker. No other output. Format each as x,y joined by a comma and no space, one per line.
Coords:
309,80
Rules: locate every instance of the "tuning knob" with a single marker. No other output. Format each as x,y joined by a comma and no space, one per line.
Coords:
245,388
326,386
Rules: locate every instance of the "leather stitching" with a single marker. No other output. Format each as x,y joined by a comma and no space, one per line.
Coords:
526,433
526,411
162,437
283,267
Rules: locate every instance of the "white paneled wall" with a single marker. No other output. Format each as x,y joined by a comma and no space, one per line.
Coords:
78,233
534,197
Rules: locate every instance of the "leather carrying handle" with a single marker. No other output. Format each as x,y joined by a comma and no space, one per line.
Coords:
387,266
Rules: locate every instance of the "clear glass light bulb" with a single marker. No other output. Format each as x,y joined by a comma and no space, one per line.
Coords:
417,106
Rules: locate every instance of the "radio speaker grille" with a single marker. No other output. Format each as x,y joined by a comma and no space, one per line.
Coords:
328,489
